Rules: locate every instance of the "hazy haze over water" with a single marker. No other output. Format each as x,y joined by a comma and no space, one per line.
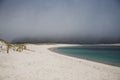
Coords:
60,20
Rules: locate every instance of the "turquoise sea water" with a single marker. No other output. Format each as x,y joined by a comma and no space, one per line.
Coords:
104,54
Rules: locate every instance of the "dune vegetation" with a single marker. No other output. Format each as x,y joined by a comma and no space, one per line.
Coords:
7,46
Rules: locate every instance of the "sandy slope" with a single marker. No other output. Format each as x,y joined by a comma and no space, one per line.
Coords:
42,64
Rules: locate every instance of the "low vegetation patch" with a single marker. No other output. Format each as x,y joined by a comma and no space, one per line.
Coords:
6,47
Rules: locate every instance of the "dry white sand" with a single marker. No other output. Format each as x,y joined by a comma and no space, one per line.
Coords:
42,64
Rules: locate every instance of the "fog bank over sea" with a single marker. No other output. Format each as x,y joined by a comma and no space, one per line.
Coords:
66,40
71,21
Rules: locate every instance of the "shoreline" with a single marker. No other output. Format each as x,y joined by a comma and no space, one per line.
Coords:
43,64
54,49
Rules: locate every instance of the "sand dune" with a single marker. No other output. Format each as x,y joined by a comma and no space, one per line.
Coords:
38,63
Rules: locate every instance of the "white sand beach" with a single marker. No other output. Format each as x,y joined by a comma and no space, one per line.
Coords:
39,63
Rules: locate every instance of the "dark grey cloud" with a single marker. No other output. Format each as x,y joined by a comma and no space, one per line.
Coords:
62,20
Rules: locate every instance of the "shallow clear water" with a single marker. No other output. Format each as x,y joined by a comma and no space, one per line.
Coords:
104,54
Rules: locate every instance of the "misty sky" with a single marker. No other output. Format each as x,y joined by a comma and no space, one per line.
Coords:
75,20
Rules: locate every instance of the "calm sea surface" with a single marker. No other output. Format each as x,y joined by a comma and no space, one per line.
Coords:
104,54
